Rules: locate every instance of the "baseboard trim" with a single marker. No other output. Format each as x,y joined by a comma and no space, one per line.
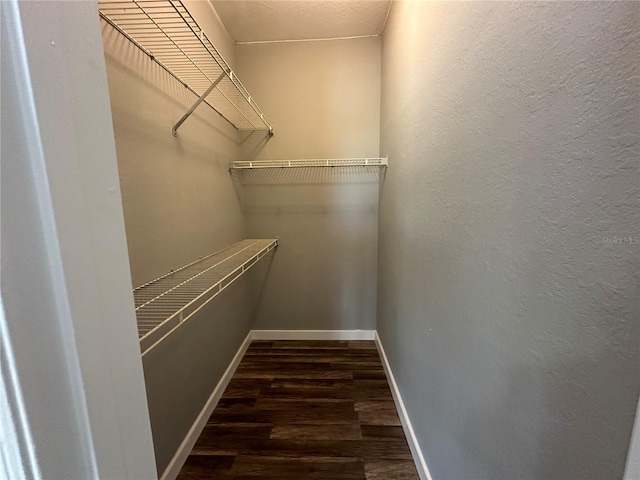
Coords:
313,334
174,467
416,452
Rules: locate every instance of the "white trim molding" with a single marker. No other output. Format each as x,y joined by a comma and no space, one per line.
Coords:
313,334
416,452
174,467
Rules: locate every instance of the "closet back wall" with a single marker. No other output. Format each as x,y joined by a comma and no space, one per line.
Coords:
179,204
323,98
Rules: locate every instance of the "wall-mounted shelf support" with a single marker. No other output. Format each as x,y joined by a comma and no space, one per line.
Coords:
166,303
174,130
327,162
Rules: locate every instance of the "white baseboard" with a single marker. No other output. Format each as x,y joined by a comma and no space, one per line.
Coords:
313,334
173,469
416,452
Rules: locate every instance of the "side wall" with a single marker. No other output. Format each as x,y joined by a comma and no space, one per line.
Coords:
69,356
323,99
509,224
179,204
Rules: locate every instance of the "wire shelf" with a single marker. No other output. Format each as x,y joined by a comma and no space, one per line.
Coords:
330,162
168,34
163,304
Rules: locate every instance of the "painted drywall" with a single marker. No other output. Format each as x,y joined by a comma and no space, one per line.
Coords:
179,204
323,100
509,225
70,355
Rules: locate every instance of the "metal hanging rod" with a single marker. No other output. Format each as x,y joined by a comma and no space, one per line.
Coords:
329,162
166,32
164,304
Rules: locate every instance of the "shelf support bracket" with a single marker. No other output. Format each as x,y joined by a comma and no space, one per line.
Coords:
174,130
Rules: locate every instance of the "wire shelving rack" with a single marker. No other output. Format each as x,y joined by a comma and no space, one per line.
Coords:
167,33
164,304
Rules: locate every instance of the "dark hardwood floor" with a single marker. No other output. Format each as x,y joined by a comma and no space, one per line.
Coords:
304,410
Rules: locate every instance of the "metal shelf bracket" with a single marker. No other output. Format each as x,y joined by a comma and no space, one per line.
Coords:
174,130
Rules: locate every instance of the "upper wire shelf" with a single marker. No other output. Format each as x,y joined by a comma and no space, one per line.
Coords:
327,162
166,32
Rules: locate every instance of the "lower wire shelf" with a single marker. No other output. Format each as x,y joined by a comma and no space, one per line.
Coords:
164,304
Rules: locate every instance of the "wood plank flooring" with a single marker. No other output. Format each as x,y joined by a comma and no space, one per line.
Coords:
304,410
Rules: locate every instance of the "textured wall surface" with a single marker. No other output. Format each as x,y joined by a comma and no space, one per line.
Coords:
323,99
323,274
179,203
509,225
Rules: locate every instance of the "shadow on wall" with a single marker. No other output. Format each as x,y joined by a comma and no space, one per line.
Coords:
252,142
310,175
292,177
326,220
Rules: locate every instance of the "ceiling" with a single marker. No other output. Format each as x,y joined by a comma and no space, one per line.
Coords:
273,20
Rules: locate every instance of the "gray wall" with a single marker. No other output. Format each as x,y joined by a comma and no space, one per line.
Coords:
324,100
507,307
179,204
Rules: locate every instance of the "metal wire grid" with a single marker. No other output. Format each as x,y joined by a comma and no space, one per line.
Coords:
329,162
167,33
174,297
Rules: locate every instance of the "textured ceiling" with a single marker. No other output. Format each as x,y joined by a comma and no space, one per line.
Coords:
260,20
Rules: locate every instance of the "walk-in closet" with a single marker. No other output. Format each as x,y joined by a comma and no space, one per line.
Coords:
217,189
319,239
